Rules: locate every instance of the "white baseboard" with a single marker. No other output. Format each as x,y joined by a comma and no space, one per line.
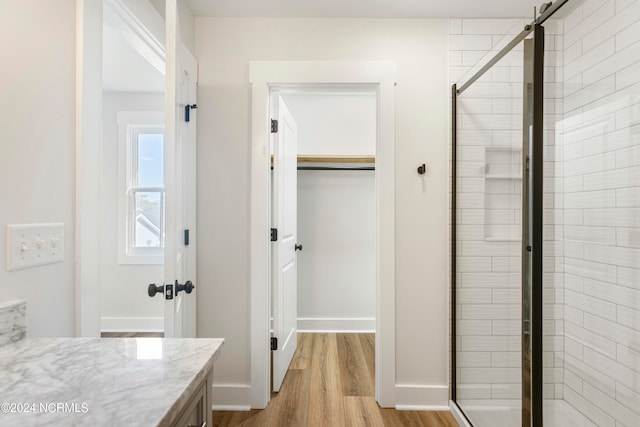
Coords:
336,324
411,397
132,324
231,397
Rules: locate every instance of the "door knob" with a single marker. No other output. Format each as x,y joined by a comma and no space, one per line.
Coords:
187,287
152,290
297,247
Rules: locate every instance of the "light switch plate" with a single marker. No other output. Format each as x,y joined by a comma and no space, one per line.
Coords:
30,245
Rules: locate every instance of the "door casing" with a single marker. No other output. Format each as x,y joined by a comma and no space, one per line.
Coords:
88,152
381,76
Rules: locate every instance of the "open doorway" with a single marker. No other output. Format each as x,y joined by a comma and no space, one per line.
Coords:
132,232
153,32
334,247
380,77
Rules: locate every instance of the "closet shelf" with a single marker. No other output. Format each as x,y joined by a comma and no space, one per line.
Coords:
323,158
326,158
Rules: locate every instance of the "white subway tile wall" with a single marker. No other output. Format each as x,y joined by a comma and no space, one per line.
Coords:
490,127
591,216
553,217
600,140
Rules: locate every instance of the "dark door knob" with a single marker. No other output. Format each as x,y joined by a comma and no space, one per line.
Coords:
187,287
298,247
152,290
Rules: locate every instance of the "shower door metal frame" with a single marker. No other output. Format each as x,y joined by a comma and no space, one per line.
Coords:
532,220
532,229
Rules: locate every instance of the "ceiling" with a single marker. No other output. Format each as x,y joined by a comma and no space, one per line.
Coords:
364,8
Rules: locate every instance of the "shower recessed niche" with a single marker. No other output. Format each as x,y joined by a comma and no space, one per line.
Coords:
502,195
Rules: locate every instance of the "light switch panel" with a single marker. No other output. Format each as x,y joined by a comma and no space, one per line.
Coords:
30,245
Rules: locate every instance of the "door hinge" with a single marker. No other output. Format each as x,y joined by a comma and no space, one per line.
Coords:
274,234
274,126
186,237
274,343
187,111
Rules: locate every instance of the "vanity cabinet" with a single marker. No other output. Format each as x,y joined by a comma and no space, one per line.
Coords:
197,411
133,382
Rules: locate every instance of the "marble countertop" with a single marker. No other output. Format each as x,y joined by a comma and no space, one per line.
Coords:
101,382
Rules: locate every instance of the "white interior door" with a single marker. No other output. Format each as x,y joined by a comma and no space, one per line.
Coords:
180,185
285,271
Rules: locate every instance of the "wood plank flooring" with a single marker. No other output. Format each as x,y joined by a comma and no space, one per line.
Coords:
330,383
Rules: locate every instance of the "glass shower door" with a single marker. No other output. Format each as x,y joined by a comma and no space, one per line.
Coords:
489,182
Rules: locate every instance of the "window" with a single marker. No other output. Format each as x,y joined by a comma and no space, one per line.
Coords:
141,190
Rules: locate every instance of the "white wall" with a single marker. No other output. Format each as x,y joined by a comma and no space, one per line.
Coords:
187,25
336,214
37,140
335,123
123,296
224,48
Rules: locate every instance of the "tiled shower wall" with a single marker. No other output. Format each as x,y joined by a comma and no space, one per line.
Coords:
592,218
553,215
600,138
489,202
487,326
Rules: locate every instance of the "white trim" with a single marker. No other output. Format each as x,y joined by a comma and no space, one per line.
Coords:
424,397
88,153
381,76
141,27
132,324
455,411
337,324
231,397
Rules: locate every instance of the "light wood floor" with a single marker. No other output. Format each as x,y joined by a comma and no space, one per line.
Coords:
330,383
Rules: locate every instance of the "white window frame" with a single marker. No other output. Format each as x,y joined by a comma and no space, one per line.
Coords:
130,125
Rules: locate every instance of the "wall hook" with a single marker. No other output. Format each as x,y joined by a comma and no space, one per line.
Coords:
422,169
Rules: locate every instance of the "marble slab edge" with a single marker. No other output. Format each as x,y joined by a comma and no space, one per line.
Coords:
175,410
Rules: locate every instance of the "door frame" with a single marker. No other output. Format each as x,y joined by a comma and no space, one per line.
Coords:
88,151
382,75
